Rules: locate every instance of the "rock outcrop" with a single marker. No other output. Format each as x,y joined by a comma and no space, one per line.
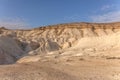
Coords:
9,50
83,37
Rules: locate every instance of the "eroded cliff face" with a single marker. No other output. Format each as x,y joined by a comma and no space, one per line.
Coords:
9,50
81,36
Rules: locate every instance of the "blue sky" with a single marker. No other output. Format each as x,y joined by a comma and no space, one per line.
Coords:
35,13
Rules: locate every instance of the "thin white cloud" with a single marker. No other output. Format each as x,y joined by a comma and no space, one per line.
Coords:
106,7
107,17
109,13
14,23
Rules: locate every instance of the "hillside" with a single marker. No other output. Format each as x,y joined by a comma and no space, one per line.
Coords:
81,37
72,51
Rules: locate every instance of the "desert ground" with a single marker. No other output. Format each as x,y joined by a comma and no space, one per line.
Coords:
74,68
